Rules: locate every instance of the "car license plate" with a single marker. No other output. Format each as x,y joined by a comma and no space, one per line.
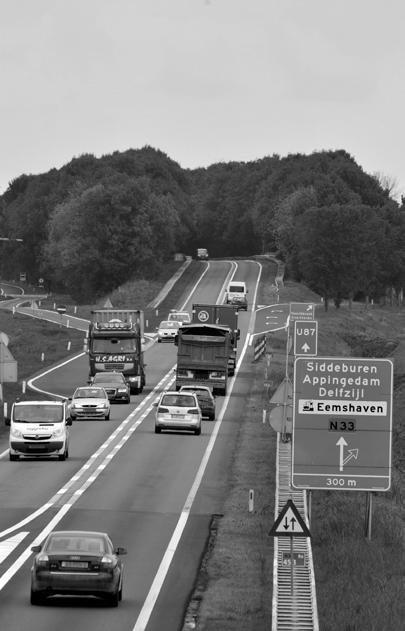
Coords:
178,415
75,564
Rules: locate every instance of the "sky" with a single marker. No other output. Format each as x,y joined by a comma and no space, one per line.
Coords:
204,81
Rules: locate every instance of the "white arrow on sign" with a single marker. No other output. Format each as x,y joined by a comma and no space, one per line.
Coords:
341,444
353,453
305,347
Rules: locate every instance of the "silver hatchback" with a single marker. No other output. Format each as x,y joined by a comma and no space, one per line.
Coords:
178,411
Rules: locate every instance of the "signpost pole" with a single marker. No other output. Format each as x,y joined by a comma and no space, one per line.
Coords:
309,505
284,421
369,512
292,564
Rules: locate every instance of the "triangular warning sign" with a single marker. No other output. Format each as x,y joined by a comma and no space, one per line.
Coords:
108,304
289,523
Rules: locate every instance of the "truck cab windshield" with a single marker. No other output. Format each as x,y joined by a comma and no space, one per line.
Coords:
114,345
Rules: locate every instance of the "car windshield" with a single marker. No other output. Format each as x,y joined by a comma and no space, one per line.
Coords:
173,324
180,317
179,400
89,393
38,413
79,544
114,345
110,378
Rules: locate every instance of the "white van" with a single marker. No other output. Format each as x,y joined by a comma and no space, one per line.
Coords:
236,294
39,428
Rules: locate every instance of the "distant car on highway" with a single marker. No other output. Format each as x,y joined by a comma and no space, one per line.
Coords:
115,385
89,402
77,562
167,330
178,411
206,399
179,316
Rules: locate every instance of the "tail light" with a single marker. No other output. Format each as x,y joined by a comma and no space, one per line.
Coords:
192,411
163,410
42,561
108,563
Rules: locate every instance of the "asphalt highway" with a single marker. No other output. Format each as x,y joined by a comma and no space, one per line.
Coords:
154,494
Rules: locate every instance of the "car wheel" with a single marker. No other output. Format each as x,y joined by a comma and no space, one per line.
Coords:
120,592
212,417
113,599
159,341
13,457
158,430
197,431
36,598
63,456
107,417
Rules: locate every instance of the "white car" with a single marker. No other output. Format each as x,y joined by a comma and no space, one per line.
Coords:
167,330
180,316
89,402
178,411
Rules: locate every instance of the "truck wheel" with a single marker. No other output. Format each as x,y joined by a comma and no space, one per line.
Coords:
13,457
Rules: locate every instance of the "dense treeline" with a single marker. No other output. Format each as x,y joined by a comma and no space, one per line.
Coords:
97,222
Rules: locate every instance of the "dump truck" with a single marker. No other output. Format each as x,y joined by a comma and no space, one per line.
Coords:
114,343
203,356
225,315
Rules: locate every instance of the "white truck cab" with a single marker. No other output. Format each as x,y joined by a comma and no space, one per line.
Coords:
236,294
38,429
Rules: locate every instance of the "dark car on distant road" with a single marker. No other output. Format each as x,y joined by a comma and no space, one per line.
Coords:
76,562
115,385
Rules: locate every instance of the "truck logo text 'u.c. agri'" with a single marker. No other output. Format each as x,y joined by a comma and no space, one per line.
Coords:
113,358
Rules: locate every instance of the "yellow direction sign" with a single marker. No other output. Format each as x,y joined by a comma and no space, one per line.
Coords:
289,523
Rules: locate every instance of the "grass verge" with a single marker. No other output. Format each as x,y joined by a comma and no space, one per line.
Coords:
360,584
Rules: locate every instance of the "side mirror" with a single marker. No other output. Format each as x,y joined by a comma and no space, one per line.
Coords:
36,548
155,404
120,551
7,420
69,420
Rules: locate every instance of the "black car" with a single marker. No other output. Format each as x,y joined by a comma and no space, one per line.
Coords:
77,562
115,385
205,398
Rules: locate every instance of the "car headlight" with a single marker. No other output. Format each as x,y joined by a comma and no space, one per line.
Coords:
102,405
15,433
122,389
57,432
76,406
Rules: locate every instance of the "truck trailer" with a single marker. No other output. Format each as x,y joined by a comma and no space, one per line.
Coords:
203,356
225,315
114,343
